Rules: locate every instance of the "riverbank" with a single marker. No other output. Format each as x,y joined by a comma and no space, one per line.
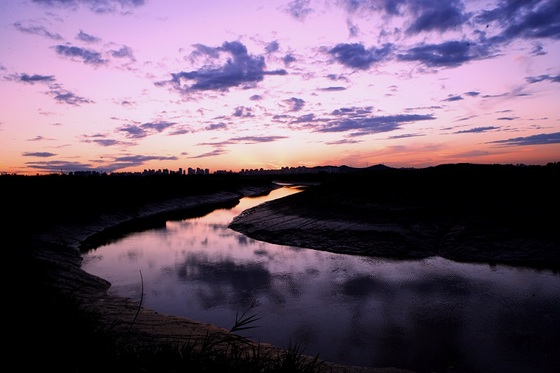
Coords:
466,213
60,311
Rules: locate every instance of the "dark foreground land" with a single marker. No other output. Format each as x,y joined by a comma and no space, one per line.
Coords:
60,317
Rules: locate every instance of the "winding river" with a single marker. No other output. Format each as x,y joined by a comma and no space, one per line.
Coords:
428,315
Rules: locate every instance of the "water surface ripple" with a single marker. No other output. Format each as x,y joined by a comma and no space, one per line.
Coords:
425,315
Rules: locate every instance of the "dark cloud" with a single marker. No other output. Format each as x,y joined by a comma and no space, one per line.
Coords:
497,96
507,118
37,30
204,50
102,140
472,93
87,38
256,139
505,20
433,107
355,111
180,131
479,129
353,30
216,126
295,104
108,142
255,98
426,15
97,6
134,161
530,19
436,16
67,97
35,78
465,118
38,138
541,139
140,131
157,126
355,55
364,125
288,59
540,78
242,69
343,141
538,50
299,9
58,166
391,7
123,52
38,154
453,98
405,136
243,112
60,94
335,77
245,140
447,54
307,118
213,153
86,55
140,159
332,89
272,47
281,118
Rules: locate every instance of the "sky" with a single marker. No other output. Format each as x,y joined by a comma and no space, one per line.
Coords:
133,85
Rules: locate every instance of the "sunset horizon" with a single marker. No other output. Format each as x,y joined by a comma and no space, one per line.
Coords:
131,85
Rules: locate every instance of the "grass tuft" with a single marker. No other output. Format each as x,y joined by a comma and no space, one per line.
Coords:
58,333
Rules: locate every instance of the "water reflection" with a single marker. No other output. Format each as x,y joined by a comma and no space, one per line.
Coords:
427,315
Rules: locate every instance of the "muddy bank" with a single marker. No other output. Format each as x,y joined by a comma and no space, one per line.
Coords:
470,214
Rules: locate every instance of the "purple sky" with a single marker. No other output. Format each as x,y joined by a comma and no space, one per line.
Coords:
128,85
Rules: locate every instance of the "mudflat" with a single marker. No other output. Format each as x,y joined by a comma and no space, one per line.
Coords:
496,214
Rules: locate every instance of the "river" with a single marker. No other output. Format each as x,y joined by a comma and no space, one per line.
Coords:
424,315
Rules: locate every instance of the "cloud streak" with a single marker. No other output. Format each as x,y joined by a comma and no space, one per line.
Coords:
135,131
357,56
55,90
96,6
37,30
479,129
85,55
39,154
370,125
540,139
451,53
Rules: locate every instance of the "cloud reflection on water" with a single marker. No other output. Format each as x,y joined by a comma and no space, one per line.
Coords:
421,315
